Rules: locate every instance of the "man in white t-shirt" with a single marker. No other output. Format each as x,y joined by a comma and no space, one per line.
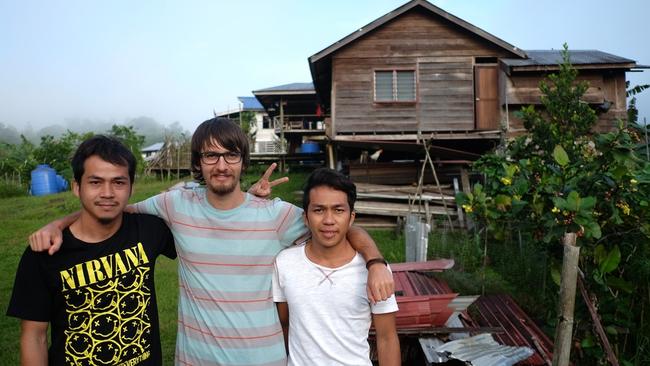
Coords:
319,287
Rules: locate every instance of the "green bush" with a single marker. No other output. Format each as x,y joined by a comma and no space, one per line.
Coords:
563,178
9,189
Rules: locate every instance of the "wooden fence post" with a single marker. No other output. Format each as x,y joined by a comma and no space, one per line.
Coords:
564,330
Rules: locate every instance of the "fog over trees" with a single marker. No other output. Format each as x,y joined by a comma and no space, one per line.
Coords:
152,130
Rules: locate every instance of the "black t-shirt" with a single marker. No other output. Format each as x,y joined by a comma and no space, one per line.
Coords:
98,297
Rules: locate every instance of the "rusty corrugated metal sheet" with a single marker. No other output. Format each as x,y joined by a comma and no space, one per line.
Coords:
417,284
423,311
519,328
437,265
423,300
488,311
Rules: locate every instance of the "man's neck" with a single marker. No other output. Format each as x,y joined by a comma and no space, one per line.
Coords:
90,230
332,257
226,201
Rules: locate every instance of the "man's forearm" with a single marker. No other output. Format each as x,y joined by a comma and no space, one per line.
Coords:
380,284
33,347
388,351
363,243
283,315
66,221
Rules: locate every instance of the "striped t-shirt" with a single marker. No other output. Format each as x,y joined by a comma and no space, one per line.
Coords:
226,314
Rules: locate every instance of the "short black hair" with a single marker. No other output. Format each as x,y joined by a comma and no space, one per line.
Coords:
108,149
226,133
329,178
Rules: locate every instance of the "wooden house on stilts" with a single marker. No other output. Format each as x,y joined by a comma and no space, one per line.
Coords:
421,75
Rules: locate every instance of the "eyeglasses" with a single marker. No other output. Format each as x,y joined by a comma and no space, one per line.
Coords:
211,157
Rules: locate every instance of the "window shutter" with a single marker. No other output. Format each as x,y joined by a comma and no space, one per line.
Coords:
405,85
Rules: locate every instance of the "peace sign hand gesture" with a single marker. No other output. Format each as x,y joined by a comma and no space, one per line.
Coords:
263,187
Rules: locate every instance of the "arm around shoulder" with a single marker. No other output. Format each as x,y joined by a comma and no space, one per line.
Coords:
50,237
380,280
33,343
363,243
283,314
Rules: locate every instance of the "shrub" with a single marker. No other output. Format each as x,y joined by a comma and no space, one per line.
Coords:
562,178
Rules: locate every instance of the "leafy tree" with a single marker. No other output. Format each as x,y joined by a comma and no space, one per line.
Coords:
17,160
561,178
132,140
248,125
632,112
58,152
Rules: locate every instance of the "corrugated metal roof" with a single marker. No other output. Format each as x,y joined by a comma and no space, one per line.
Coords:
437,265
418,284
577,57
490,311
293,87
423,311
153,147
479,350
423,300
461,303
519,329
250,104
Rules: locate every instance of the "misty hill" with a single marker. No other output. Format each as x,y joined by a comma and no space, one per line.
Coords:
152,130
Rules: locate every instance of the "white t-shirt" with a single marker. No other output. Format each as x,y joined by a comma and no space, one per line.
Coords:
329,311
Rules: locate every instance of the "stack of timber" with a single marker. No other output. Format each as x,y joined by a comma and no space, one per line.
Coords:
402,173
378,205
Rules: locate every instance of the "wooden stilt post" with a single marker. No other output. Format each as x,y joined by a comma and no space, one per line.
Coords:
331,161
283,143
564,330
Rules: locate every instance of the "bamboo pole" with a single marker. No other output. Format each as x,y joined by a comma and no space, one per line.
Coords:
598,327
435,176
647,148
564,330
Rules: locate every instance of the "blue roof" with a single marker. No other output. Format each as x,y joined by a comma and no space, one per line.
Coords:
288,88
250,104
154,147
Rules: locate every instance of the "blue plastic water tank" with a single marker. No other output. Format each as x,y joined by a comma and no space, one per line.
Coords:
310,147
43,180
61,183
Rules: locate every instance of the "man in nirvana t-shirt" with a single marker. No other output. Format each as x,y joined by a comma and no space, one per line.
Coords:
98,290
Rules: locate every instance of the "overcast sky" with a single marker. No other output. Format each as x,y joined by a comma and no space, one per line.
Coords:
178,60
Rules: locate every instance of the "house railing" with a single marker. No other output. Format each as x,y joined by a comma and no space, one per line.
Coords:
299,122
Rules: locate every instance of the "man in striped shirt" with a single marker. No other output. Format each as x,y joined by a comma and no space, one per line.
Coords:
226,241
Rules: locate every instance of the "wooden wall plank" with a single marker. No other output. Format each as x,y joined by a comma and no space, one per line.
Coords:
524,89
